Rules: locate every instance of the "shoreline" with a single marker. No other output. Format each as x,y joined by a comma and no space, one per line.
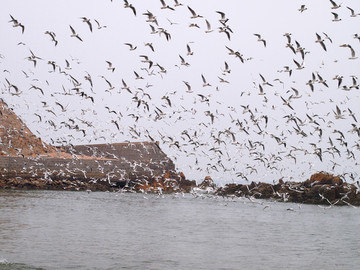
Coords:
321,189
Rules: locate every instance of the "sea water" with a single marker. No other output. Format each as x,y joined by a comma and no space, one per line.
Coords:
107,230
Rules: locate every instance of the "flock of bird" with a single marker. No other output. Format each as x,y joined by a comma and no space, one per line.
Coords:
277,123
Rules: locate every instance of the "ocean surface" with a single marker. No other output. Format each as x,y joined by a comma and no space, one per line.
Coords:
105,230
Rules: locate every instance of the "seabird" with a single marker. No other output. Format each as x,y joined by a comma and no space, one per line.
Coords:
261,39
74,34
194,15
84,19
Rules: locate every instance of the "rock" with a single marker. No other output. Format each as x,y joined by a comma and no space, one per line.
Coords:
208,182
321,188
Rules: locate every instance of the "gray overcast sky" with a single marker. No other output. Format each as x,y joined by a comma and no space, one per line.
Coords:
261,131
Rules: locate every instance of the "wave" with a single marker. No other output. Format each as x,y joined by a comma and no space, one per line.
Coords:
6,265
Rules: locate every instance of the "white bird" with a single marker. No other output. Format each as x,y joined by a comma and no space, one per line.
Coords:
205,83
208,27
74,34
334,5
352,12
321,41
193,13
260,39
336,17
351,50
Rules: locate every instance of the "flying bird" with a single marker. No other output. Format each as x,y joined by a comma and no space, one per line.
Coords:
17,24
193,13
321,41
260,39
84,19
336,17
74,34
353,56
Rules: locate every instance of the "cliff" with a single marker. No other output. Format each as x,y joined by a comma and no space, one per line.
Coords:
27,162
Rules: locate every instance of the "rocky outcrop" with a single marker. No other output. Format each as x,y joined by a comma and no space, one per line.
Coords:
15,137
321,188
27,162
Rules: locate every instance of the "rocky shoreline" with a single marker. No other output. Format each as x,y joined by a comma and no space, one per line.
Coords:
322,188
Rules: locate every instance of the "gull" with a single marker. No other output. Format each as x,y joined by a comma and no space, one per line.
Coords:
321,41
61,106
167,100
223,17
208,26
336,17
110,66
163,31
334,5
356,36
68,67
164,6
183,62
352,114
88,78
264,81
125,87
352,12
162,69
111,87
338,113
116,124
226,70
355,84
194,25
327,37
52,35
53,65
288,37
194,15
189,52
287,69
260,39
150,46
138,77
84,19
298,65
296,93
177,4
171,23
37,88
151,18
127,5
188,87
311,120
261,93
286,102
205,83
74,34
225,30
339,79
311,84
351,50
153,31
132,48
302,8
321,80
17,24
222,80
146,60
99,26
